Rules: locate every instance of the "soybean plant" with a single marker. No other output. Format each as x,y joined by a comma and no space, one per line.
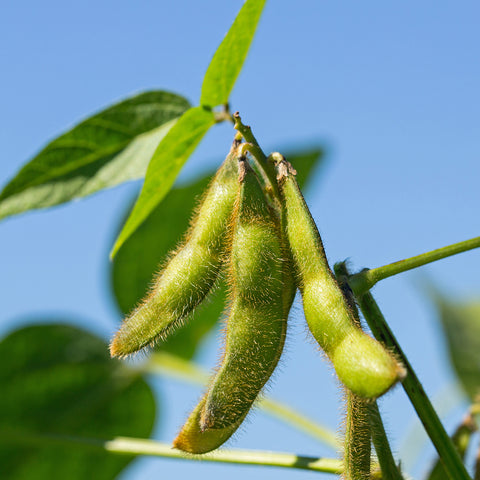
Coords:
362,363
257,321
191,271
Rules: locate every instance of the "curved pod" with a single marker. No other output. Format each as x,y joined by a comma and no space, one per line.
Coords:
262,291
361,363
193,439
191,271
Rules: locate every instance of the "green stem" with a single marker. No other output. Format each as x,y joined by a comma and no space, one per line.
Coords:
247,134
254,150
357,446
461,439
365,280
223,115
173,366
266,168
138,446
427,414
387,463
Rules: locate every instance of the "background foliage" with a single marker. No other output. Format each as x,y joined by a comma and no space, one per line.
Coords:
402,176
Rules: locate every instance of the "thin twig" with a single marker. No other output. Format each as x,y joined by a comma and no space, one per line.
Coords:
363,281
389,468
138,446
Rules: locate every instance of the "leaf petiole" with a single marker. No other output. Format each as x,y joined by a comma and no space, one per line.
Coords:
363,281
140,446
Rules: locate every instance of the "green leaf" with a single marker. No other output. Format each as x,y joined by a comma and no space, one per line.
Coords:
111,147
228,60
140,257
58,380
461,325
166,163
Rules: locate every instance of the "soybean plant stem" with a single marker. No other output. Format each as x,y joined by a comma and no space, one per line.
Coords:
266,168
175,367
138,446
365,280
388,467
412,386
357,446
247,134
461,439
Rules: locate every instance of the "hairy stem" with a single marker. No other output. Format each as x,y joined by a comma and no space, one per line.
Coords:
366,279
357,446
138,446
412,386
175,367
388,467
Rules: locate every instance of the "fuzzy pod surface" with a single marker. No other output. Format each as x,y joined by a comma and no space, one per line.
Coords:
191,271
362,364
262,291
192,439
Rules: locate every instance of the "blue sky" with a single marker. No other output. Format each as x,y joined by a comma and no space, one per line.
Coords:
390,89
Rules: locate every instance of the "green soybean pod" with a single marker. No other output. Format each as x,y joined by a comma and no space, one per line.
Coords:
361,363
191,270
262,291
192,439
256,325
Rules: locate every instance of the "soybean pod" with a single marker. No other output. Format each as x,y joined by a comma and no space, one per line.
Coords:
191,271
262,291
193,439
362,364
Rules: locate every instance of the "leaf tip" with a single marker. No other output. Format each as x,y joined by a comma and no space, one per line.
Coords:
118,243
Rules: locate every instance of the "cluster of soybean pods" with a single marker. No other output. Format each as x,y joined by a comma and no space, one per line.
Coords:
265,240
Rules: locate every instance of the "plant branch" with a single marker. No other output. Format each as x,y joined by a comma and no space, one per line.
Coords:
388,467
357,443
247,134
175,367
461,439
265,170
366,279
223,115
138,446
264,166
414,389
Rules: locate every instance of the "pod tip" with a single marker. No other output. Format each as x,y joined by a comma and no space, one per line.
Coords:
284,168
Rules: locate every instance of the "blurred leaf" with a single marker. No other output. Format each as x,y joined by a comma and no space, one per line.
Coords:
461,325
461,440
305,161
227,61
111,147
58,379
166,163
139,258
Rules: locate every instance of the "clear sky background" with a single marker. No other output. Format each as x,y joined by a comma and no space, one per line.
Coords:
391,89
